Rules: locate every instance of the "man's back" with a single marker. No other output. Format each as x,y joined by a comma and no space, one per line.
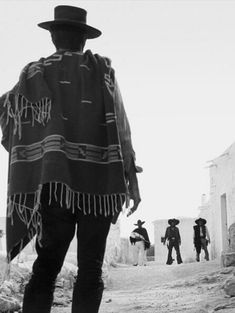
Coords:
66,164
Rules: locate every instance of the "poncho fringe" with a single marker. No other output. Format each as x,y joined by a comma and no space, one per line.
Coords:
108,206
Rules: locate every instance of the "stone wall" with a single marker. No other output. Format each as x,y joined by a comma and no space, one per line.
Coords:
113,245
228,257
231,235
126,255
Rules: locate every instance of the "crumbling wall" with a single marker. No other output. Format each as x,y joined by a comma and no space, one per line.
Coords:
112,252
228,257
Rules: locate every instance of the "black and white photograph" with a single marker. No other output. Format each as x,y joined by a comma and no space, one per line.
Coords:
117,156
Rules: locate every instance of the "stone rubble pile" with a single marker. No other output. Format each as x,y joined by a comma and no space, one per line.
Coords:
229,285
9,302
12,287
228,256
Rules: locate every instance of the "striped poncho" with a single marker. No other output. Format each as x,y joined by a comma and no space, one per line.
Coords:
59,127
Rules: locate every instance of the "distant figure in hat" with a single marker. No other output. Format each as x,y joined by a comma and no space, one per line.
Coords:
172,237
71,161
201,238
140,239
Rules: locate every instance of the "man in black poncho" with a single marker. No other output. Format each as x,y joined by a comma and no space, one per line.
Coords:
201,238
140,239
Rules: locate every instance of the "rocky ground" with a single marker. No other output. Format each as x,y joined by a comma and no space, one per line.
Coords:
193,287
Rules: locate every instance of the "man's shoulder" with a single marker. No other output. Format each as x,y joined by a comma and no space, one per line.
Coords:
100,59
33,64
99,56
58,55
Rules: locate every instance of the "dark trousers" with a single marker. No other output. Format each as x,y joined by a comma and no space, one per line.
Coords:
173,244
199,245
58,229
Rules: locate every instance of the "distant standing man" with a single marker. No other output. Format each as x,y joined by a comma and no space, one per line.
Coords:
140,239
172,235
201,238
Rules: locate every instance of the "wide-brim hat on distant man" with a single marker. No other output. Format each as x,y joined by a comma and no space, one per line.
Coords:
173,221
139,222
73,16
202,220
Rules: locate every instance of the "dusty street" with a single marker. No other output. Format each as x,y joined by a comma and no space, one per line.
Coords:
192,287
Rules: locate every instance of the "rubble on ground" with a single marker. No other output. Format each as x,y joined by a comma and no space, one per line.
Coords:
67,275
228,259
228,256
229,286
9,304
12,286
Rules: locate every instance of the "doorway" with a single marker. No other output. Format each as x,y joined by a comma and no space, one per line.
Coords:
224,221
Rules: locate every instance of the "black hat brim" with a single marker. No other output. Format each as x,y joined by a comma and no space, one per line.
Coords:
141,223
175,221
90,31
202,220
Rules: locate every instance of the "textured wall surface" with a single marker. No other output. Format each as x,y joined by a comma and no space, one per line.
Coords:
222,184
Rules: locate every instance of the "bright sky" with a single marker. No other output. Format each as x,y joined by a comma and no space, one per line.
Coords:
175,65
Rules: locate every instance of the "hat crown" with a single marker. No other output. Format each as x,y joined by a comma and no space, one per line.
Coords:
72,16
202,220
174,221
70,13
139,222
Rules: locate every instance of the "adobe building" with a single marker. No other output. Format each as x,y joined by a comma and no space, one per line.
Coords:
222,200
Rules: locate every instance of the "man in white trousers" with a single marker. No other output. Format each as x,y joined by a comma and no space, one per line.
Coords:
140,240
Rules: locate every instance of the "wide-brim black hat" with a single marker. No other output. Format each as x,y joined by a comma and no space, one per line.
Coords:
139,222
204,221
173,220
73,16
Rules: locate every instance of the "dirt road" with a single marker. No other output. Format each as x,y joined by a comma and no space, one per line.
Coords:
192,287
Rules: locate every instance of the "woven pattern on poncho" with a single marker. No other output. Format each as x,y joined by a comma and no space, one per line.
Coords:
59,126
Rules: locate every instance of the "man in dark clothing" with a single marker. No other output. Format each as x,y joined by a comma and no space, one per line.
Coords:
71,162
172,235
201,238
140,239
